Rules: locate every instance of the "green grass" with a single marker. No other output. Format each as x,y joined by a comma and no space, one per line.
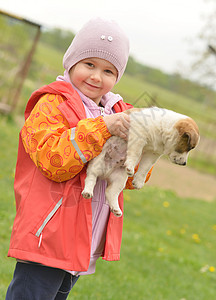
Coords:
167,241
163,252
8,151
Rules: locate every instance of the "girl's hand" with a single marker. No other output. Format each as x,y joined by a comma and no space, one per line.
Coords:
118,124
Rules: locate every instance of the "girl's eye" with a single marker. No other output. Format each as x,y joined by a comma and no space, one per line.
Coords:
108,71
89,64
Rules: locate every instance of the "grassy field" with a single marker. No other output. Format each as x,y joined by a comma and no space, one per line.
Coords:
168,249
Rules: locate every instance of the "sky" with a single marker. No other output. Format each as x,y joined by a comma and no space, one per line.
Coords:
160,31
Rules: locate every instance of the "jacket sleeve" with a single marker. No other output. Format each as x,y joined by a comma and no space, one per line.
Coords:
129,185
59,151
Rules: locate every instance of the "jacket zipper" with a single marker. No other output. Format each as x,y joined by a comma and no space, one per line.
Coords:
47,219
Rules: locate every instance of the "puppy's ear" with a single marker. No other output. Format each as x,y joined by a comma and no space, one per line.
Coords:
184,142
193,138
188,131
187,137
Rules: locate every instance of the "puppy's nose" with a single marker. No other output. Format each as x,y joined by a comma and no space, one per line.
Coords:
184,163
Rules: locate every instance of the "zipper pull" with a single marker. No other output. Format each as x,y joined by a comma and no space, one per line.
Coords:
40,240
102,111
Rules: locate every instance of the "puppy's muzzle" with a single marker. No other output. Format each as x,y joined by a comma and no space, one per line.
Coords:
178,159
181,163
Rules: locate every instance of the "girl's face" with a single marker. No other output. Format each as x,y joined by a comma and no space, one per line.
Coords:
94,77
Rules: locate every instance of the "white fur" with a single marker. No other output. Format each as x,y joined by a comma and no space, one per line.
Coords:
151,134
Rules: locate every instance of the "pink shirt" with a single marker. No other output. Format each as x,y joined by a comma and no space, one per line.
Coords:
100,209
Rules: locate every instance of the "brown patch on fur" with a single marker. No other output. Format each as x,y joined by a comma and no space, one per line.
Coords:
131,110
189,135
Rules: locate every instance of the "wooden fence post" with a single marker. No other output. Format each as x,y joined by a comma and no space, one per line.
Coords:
24,71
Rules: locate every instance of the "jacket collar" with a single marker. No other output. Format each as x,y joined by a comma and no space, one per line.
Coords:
59,88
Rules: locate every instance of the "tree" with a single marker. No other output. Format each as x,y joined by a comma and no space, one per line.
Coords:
204,66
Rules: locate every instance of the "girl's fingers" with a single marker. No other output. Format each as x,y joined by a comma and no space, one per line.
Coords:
118,124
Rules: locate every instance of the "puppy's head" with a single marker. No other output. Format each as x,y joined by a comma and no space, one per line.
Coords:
188,139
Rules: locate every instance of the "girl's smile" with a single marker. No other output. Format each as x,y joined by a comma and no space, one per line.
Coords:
92,86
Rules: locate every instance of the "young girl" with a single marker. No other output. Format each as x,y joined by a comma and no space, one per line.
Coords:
57,234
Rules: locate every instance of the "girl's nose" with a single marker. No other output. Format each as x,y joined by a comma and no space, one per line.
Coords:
96,76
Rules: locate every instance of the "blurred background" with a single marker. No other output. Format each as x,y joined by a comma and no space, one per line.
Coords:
172,64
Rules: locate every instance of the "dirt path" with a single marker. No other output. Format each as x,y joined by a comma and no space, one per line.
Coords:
186,182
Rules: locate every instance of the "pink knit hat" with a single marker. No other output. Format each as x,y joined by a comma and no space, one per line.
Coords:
102,39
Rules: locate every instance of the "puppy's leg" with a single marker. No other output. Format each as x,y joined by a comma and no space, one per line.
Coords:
94,170
146,162
134,152
116,183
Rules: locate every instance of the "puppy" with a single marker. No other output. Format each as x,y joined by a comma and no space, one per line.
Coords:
153,132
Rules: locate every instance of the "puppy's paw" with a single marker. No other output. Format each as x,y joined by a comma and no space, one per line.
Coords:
87,194
137,184
129,168
116,211
130,172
